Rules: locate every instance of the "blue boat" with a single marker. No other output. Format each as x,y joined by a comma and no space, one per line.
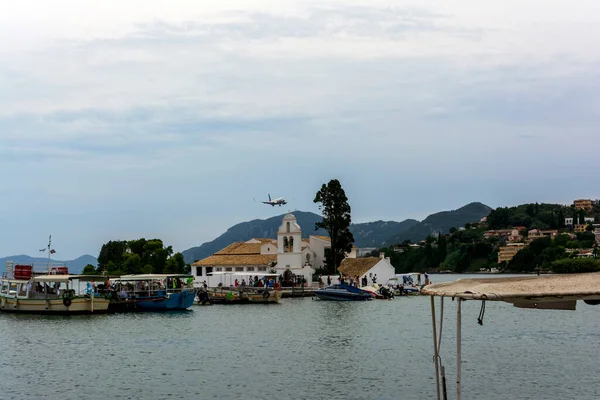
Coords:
152,292
343,292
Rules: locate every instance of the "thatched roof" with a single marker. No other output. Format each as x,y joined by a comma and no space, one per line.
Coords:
546,291
357,266
261,260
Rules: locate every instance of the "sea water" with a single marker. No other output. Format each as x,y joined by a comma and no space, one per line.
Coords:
302,349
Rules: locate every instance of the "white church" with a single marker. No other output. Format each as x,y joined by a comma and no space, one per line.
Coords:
259,256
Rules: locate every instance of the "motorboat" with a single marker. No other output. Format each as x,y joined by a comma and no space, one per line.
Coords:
343,292
404,284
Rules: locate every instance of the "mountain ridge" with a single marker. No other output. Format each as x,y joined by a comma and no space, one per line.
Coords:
366,234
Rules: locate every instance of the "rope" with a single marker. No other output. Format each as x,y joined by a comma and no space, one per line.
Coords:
481,313
441,324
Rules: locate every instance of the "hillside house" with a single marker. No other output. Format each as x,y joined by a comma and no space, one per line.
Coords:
583,204
506,253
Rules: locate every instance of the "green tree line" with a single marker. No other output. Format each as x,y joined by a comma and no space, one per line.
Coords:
141,256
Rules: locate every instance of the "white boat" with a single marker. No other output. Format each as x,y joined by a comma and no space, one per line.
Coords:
405,284
549,292
51,294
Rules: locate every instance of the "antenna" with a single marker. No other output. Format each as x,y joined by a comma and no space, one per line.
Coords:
49,244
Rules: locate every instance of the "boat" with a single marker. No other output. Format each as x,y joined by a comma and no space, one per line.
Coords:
228,293
151,292
343,292
379,292
549,292
24,291
240,295
404,284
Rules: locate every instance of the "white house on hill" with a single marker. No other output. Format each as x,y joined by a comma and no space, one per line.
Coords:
260,255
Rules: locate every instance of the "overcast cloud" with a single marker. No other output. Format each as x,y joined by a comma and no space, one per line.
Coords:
121,120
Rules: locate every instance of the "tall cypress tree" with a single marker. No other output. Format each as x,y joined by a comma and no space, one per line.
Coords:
333,203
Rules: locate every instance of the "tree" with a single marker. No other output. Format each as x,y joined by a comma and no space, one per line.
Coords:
561,219
333,203
89,270
175,264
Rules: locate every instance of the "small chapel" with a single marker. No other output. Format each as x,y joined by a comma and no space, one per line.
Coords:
290,251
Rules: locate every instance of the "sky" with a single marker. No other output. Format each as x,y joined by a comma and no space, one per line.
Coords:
168,119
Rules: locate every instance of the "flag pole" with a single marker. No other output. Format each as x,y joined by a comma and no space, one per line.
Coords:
49,243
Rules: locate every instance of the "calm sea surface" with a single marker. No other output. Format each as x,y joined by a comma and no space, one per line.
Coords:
302,349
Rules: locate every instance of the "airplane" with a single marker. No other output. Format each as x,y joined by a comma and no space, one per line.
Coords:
276,202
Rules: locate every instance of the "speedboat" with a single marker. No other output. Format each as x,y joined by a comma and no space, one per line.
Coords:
343,292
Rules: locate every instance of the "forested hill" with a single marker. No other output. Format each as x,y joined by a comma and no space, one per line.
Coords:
538,216
441,222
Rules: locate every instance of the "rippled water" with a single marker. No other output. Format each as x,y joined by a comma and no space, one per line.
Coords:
301,349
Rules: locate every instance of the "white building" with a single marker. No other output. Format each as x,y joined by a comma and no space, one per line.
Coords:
255,256
569,221
379,267
587,220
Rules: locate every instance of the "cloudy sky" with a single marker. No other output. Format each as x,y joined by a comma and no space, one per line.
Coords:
128,119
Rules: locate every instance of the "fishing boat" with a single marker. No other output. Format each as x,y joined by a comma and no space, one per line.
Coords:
24,291
550,292
241,295
260,289
151,292
343,292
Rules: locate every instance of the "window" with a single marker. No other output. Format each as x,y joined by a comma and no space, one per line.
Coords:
218,269
249,269
370,274
262,269
239,269
287,227
227,269
291,243
198,271
285,244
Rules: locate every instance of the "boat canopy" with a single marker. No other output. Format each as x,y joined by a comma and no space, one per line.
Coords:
65,278
408,274
559,292
147,277
242,273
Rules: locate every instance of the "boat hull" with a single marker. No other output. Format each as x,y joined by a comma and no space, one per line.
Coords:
233,297
79,305
342,296
174,301
171,302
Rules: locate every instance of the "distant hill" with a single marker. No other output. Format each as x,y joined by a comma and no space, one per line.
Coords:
368,234
75,266
442,222
378,233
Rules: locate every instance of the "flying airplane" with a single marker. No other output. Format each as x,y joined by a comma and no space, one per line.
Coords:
275,202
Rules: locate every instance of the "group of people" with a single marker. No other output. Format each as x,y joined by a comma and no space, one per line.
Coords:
255,282
355,281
